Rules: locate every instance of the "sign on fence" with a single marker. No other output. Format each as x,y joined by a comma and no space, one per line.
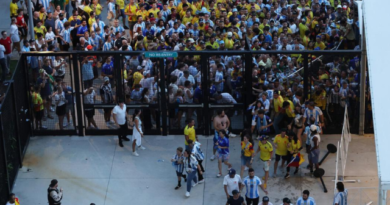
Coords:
160,54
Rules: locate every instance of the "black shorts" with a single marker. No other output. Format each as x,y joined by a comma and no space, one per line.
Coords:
89,113
39,115
179,174
277,157
61,110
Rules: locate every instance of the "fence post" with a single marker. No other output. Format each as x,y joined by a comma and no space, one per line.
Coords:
163,98
362,98
248,85
306,75
118,63
5,156
17,133
206,93
76,80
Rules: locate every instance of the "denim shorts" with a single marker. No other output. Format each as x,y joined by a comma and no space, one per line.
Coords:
223,157
246,160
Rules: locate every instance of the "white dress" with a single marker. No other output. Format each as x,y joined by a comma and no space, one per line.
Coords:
136,134
14,33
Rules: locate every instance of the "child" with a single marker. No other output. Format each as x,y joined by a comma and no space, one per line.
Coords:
177,162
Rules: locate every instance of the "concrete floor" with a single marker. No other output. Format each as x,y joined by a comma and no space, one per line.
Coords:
94,169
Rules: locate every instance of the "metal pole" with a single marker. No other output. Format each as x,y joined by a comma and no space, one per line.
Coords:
18,120
30,20
206,93
306,75
363,63
248,85
79,91
163,97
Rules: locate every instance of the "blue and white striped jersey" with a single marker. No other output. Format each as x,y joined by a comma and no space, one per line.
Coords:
178,162
341,198
252,187
308,201
197,151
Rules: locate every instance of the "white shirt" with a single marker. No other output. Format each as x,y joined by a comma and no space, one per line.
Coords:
148,83
2,50
120,114
232,183
8,203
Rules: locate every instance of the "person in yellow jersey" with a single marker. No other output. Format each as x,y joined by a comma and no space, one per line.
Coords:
97,8
213,43
38,107
154,10
143,12
303,28
278,105
131,12
189,133
280,143
13,8
121,5
137,76
39,29
252,4
293,148
187,18
247,154
229,41
266,149
319,45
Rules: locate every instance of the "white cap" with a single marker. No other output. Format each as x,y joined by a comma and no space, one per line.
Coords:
191,40
229,34
313,128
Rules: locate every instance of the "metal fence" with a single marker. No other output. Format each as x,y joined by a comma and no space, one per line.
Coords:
15,129
160,116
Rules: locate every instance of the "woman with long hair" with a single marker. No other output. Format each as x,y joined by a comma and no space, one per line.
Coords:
137,132
293,147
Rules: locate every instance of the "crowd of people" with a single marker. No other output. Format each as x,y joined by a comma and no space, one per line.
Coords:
279,108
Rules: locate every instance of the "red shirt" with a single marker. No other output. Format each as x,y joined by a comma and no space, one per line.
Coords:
7,44
20,21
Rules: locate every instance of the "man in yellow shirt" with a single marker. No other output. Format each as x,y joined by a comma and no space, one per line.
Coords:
303,28
121,5
189,133
131,12
154,10
265,148
319,45
39,29
143,12
13,8
97,8
137,76
280,143
228,41
214,44
38,107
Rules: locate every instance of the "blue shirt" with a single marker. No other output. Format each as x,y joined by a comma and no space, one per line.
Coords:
252,187
198,94
82,29
107,68
87,71
213,89
223,143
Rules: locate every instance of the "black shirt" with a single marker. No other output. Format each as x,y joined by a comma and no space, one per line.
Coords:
233,201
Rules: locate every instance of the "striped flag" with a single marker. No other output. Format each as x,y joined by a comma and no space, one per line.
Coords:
17,201
296,160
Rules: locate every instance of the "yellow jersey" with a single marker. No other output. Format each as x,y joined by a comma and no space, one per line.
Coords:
41,30
154,12
98,9
13,8
265,151
190,132
278,103
37,101
215,45
281,143
143,13
293,147
248,149
133,10
121,4
320,45
87,9
137,78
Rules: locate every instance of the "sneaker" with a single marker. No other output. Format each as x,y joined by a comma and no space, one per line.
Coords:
201,181
232,135
287,176
90,128
194,185
187,194
212,157
107,124
141,147
135,154
246,168
219,175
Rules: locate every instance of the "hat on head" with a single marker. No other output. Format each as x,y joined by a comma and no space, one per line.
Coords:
139,67
263,137
146,73
41,70
106,79
229,34
196,25
201,42
339,6
265,199
234,10
89,47
333,25
191,40
345,7
221,42
234,192
232,172
313,128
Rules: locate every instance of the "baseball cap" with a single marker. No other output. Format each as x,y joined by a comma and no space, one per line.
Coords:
139,67
345,7
89,47
313,128
232,172
191,40
221,42
229,34
263,137
234,192
41,70
339,6
265,199
234,10
106,79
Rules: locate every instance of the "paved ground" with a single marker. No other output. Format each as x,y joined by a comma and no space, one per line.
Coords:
95,169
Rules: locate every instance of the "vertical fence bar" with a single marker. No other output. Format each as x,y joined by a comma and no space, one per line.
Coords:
17,113
206,93
248,85
79,105
362,97
306,75
118,63
163,98
5,155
